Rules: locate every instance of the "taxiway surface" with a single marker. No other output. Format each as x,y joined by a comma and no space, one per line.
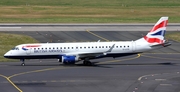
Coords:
155,71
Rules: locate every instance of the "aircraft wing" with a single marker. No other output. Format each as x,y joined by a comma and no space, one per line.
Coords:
90,54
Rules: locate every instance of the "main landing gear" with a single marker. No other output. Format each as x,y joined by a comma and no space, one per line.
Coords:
87,62
22,64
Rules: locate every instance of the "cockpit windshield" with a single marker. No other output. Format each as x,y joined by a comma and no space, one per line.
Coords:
15,48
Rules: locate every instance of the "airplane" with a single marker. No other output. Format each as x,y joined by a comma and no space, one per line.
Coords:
70,53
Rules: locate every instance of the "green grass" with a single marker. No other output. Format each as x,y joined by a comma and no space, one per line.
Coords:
88,11
8,41
174,36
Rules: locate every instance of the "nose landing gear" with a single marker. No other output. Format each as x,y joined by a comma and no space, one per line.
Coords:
22,64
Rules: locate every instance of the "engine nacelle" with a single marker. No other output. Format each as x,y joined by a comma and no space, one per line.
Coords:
69,59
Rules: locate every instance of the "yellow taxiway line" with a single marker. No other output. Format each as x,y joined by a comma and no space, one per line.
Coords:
138,55
159,57
97,35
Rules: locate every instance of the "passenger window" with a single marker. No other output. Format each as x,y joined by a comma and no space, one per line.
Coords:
64,47
116,46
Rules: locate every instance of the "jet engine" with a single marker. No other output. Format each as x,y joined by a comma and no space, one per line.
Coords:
69,59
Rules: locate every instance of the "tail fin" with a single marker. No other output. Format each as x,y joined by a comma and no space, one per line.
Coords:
156,34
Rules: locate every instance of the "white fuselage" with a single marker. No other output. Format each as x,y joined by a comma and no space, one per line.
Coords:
54,50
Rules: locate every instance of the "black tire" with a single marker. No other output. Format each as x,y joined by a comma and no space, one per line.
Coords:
87,63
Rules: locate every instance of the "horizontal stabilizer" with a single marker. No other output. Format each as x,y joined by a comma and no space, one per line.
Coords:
163,44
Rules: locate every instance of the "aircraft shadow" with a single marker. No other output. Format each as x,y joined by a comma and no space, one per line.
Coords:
64,65
95,64
166,63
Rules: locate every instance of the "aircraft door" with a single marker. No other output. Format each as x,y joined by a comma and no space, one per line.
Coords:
133,46
28,52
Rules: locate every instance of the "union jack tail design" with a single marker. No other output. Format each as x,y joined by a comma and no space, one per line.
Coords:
156,34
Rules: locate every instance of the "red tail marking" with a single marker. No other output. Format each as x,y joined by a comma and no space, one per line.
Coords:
152,40
162,24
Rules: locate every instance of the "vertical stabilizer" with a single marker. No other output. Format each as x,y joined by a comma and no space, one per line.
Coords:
156,34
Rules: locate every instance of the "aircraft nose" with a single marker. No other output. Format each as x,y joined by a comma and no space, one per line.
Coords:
6,55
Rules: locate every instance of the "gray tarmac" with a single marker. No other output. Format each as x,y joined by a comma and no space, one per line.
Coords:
155,71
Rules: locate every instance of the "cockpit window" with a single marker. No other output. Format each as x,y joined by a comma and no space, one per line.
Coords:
15,48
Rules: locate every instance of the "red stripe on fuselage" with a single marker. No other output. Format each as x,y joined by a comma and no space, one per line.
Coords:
162,24
28,46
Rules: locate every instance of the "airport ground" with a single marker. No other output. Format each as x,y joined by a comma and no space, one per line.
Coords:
154,71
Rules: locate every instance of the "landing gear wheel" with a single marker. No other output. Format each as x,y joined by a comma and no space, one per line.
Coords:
87,63
23,64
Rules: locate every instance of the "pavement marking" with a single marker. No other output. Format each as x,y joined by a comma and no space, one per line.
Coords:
34,81
52,81
160,79
44,81
158,57
2,65
144,76
8,79
97,35
10,27
3,76
41,70
161,53
166,84
138,55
